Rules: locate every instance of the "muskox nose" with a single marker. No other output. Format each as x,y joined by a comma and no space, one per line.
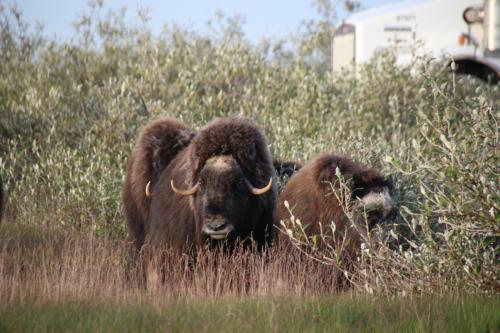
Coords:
217,228
216,225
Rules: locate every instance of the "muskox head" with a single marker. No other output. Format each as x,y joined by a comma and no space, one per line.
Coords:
223,198
373,194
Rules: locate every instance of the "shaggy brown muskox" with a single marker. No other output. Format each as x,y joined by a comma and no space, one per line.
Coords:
160,141
311,197
219,186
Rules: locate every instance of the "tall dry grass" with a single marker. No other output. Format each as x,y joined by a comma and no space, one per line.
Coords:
52,265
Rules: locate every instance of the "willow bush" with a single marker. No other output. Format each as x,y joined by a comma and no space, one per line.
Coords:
70,112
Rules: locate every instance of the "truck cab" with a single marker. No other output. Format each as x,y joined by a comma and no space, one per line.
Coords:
465,31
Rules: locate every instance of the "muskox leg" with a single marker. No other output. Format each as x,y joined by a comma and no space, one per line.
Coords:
167,267
135,240
152,262
153,280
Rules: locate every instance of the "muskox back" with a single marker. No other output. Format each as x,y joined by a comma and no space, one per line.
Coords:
310,194
214,191
158,144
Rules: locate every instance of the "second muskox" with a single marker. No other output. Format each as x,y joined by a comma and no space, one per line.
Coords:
219,186
158,144
310,196
286,169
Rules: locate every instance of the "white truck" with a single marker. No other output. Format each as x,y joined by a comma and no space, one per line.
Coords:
467,31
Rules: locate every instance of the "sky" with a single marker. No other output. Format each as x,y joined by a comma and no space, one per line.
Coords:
261,17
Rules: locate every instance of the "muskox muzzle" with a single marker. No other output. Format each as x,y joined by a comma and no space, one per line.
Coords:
217,227
378,205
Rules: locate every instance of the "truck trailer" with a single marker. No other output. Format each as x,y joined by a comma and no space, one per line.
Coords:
466,32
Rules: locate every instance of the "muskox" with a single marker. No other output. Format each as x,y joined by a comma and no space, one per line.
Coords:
286,169
311,197
216,186
158,144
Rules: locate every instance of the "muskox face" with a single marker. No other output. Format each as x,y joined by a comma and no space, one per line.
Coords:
222,197
376,199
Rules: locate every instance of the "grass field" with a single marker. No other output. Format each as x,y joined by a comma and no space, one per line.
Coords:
70,112
339,313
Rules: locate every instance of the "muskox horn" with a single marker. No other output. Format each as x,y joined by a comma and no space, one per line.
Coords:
259,191
148,193
191,191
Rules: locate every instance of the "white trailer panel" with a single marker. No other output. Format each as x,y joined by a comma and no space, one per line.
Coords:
415,27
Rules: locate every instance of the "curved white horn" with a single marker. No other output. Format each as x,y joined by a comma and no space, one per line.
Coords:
190,191
148,193
259,191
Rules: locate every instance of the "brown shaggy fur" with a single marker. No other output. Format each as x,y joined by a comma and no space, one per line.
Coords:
310,196
177,220
159,142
